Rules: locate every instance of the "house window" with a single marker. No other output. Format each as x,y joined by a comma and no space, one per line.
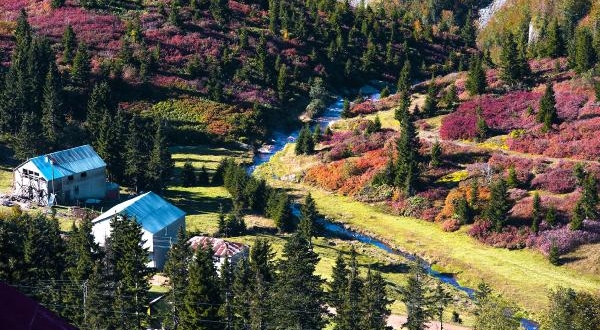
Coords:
83,174
70,178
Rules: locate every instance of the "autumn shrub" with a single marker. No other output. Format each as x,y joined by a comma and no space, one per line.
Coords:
557,180
363,108
451,225
566,239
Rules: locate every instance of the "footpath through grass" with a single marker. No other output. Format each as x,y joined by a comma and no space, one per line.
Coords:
523,276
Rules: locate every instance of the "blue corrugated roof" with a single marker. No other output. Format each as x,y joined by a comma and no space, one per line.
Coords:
68,162
150,210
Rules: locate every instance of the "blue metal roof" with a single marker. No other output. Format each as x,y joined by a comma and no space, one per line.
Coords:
151,211
63,163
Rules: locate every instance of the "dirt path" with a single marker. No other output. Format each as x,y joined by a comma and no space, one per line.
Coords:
434,135
396,322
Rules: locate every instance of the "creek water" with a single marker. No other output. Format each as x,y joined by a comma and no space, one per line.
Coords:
280,139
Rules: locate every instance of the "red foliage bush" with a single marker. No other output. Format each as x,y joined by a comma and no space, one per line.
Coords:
363,108
558,180
503,113
451,225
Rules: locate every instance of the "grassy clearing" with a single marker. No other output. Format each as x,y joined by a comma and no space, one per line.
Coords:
454,177
523,275
5,179
201,203
387,119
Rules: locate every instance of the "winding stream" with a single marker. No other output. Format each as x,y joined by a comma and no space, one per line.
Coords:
281,138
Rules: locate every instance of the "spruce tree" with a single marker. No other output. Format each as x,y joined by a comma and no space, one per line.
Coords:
188,176
476,78
482,128
441,299
202,300
554,46
82,254
589,197
159,163
578,216
98,104
494,313
282,214
339,282
583,56
536,213
134,155
435,154
547,113
242,289
346,109
308,219
551,216
69,44
128,258
52,109
28,140
499,205
513,63
297,288
554,254
407,162
512,181
404,78
282,83
415,296
374,302
300,142
203,179
80,71
349,314
179,258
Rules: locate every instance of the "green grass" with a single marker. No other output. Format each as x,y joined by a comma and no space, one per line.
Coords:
5,179
522,275
454,177
201,203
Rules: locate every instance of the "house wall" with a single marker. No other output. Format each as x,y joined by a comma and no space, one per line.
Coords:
92,184
163,240
21,179
82,186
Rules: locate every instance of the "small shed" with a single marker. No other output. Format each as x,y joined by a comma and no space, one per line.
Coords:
160,221
222,249
61,177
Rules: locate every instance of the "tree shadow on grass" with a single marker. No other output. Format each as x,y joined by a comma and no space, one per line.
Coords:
195,204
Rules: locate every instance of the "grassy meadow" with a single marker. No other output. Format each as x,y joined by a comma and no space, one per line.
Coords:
523,275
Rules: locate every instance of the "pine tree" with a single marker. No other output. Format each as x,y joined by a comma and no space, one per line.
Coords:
57,3
282,83
482,127
188,176
298,288
579,173
582,55
578,216
28,141
242,291
346,109
476,80
202,300
536,213
308,219
415,296
468,32
80,71
407,163
554,46
403,107
462,211
203,179
547,113
69,44
404,78
499,205
441,299
349,314
159,164
179,258
513,63
436,154
339,282
551,216
512,181
82,254
128,257
98,104
430,105
589,197
494,313
300,142
374,303
52,109
282,214
554,254
134,155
